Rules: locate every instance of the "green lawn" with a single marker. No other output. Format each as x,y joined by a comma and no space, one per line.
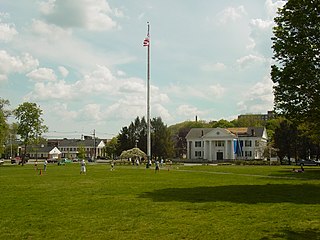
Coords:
187,202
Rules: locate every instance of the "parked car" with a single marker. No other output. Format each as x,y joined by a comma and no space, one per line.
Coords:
308,162
52,160
19,160
1,161
15,160
89,159
64,161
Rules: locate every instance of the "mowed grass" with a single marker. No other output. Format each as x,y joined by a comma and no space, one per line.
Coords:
187,202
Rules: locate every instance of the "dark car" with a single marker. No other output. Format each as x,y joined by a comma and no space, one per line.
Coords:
89,159
308,162
52,160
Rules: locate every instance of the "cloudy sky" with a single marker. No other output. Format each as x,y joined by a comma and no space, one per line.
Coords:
83,63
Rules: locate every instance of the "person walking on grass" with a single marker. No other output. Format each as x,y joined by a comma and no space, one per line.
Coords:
157,166
45,165
112,166
83,167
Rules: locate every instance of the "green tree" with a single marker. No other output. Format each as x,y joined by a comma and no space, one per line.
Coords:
111,148
162,145
4,127
81,152
296,73
222,123
30,124
286,139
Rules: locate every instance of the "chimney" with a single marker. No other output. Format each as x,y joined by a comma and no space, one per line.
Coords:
252,132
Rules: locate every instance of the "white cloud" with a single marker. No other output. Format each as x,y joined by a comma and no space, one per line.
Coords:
260,35
189,111
262,24
16,64
216,91
63,71
160,110
201,92
231,14
52,90
49,41
100,80
215,67
42,74
272,7
49,32
250,59
132,85
47,7
89,14
7,30
258,98
91,112
62,112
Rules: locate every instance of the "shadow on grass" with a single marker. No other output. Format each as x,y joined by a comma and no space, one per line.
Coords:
312,173
249,194
290,234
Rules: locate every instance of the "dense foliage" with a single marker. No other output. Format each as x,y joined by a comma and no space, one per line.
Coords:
296,73
136,135
31,125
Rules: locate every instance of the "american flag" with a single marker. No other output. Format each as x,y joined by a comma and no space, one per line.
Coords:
146,42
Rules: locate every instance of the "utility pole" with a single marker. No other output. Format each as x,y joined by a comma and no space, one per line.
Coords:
94,144
146,43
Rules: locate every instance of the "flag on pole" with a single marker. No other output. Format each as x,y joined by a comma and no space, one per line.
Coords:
146,42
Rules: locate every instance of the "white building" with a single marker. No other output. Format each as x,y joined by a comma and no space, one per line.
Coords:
213,144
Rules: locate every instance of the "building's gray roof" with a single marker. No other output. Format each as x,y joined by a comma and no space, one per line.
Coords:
198,132
241,132
79,142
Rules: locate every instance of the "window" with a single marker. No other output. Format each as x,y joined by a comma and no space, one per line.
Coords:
247,143
219,143
248,154
197,143
198,153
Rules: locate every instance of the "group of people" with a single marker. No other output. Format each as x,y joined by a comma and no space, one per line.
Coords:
83,169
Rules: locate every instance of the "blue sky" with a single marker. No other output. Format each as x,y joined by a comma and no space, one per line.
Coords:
84,64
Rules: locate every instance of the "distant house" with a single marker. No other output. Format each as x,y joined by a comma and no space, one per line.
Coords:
259,117
43,152
212,144
70,147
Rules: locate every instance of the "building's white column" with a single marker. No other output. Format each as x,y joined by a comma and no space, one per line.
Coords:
226,153
210,151
213,151
232,150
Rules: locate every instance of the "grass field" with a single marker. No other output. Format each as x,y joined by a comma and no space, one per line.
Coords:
187,202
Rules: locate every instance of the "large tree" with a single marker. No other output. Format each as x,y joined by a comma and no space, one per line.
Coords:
30,124
296,72
161,141
4,127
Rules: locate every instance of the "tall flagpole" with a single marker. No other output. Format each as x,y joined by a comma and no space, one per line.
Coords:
147,44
